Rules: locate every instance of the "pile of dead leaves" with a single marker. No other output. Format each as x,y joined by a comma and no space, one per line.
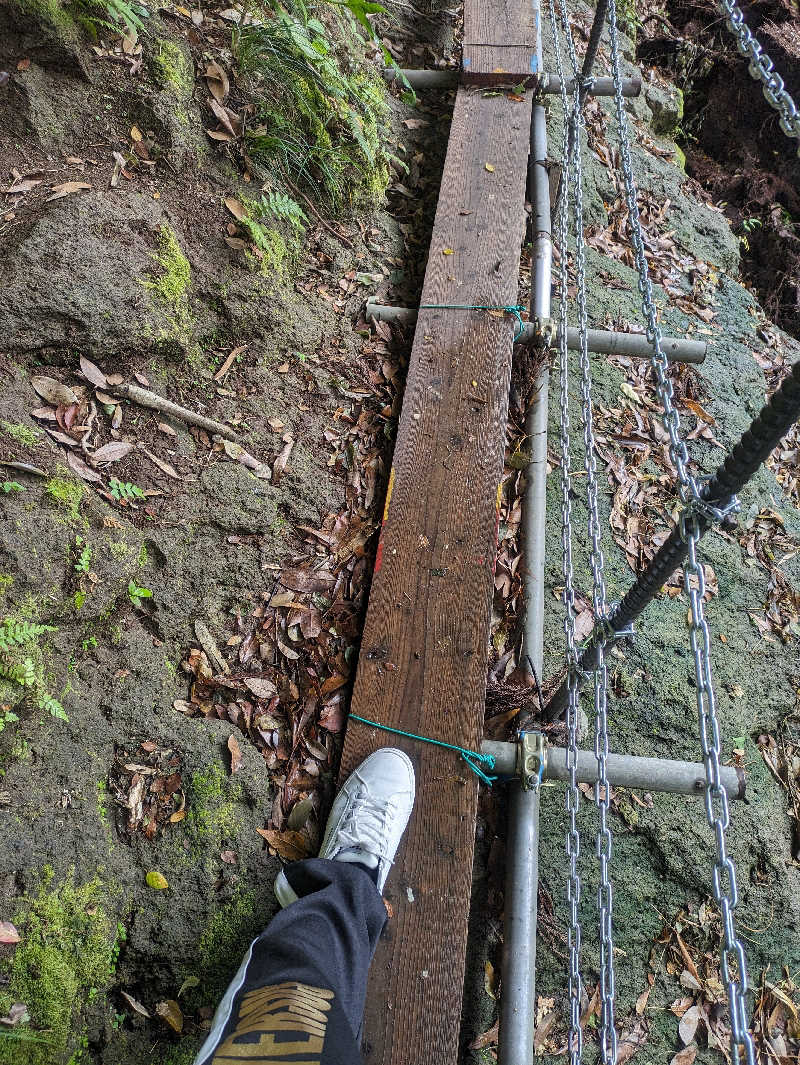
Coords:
280,676
146,786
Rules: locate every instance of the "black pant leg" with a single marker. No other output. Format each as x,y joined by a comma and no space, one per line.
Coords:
298,997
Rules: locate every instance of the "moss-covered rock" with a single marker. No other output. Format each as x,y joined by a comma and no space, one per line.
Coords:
67,951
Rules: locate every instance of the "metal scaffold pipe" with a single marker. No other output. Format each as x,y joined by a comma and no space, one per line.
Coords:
517,1002
602,341
765,433
447,78
624,771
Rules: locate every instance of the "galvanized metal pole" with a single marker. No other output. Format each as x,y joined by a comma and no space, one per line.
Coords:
518,998
550,84
602,341
624,770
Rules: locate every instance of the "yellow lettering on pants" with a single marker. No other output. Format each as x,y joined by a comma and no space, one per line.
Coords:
266,1049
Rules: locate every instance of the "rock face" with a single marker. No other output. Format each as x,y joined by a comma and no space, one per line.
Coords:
65,287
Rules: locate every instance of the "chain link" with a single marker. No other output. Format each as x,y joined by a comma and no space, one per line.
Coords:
716,800
575,1038
762,69
573,189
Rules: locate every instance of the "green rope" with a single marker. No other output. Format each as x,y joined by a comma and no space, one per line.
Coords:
472,758
509,308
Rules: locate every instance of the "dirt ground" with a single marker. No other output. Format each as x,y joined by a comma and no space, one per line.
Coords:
185,601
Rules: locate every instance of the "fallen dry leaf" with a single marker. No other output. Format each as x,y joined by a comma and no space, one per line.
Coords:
53,391
279,465
236,208
236,754
112,452
685,1056
293,846
67,188
135,1005
77,465
8,933
92,372
688,1024
170,1012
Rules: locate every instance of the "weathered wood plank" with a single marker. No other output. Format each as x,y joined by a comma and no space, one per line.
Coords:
499,42
422,665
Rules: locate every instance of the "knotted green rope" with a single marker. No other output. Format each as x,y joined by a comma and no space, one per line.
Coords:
509,308
474,759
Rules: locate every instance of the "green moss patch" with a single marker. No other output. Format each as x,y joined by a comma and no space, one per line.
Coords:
172,68
22,434
169,287
67,493
66,953
229,933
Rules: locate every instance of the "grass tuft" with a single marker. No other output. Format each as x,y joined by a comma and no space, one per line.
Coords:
314,121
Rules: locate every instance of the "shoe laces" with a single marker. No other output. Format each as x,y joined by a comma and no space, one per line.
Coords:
365,824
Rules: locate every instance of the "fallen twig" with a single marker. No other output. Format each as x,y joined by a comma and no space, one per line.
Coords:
318,216
145,398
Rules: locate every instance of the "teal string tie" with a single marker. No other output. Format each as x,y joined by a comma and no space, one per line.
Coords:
474,759
509,308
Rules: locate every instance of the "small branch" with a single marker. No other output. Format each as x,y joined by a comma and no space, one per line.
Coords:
324,221
145,398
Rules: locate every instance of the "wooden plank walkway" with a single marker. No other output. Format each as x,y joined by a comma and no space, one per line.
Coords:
499,42
422,665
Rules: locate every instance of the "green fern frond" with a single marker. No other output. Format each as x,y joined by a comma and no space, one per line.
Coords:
53,707
22,673
282,206
18,633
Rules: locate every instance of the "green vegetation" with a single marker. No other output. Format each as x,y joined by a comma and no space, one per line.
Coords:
227,936
6,580
129,492
22,666
170,286
23,434
315,122
91,15
136,593
172,68
211,814
67,493
84,557
12,486
118,548
68,946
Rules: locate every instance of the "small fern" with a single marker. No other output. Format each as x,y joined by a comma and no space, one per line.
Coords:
125,491
22,673
53,707
282,206
18,633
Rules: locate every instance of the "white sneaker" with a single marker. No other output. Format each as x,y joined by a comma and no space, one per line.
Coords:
368,817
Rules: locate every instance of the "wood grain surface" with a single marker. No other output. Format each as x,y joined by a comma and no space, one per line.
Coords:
422,664
499,42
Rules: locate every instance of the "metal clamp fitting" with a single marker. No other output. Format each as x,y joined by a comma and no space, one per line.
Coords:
544,332
531,759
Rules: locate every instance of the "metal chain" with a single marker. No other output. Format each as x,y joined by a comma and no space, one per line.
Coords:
575,1038
573,186
716,800
762,69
